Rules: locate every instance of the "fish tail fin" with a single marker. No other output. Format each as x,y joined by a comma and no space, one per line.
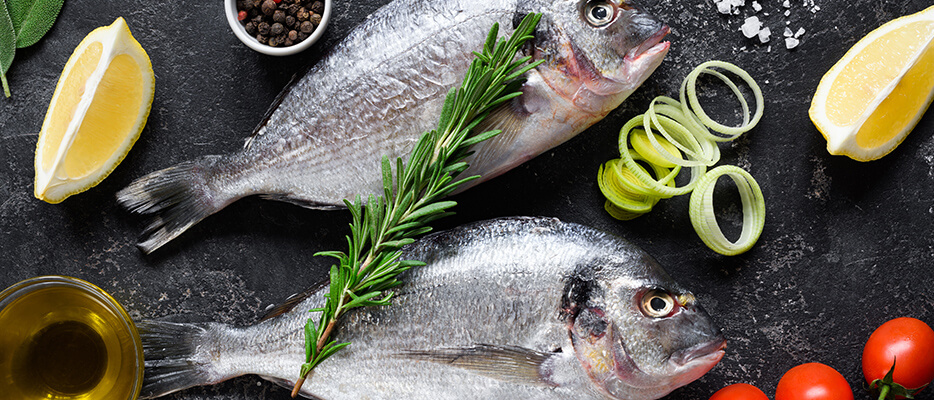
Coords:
177,356
181,196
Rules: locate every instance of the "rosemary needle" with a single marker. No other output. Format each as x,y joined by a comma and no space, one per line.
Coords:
367,272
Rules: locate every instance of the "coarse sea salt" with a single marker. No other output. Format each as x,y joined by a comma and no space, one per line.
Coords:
756,6
791,43
764,35
723,7
729,6
751,27
788,32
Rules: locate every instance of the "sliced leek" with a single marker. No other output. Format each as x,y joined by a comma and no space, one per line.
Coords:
705,222
673,134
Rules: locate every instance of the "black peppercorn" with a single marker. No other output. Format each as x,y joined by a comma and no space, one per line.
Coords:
317,7
263,28
315,19
250,28
280,22
269,6
276,29
273,41
278,16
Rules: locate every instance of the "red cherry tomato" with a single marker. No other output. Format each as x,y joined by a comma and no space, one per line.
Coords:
739,391
813,381
906,342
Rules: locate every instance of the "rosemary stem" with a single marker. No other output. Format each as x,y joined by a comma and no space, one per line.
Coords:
327,333
298,385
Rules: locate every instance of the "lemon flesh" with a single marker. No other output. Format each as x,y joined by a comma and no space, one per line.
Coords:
871,99
97,112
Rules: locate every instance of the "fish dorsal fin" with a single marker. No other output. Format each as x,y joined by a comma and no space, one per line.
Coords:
507,363
291,302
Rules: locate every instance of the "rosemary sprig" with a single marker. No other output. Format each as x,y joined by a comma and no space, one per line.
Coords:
367,271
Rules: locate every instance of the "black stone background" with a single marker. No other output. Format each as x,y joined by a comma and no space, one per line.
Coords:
846,246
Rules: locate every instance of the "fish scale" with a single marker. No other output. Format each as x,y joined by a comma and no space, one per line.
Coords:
382,86
488,317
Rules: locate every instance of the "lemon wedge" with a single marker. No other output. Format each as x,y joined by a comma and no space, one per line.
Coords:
97,112
872,98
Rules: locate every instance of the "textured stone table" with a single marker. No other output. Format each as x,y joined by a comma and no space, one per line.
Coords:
846,245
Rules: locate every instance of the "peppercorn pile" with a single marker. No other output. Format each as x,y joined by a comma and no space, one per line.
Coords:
280,22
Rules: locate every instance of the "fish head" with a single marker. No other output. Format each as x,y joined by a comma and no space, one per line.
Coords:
597,52
637,333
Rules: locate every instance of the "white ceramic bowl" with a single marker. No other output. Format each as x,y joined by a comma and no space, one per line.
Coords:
230,8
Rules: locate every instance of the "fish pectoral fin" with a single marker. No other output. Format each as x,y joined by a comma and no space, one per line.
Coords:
509,118
507,363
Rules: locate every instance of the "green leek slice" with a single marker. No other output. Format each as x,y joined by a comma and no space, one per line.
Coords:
705,222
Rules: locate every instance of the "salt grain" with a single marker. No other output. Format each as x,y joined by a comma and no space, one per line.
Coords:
764,35
751,27
756,6
729,6
723,7
791,43
786,4
788,32
799,32
787,12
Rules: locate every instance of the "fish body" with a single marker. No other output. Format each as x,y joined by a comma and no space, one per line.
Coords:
514,308
383,85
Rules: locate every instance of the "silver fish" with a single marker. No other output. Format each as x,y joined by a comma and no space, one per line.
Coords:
514,308
383,85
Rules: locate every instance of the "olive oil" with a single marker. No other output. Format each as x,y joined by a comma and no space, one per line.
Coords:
65,339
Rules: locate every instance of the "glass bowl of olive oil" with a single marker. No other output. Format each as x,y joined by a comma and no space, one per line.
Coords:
62,338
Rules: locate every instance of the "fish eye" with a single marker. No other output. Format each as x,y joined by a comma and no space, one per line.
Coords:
657,303
599,13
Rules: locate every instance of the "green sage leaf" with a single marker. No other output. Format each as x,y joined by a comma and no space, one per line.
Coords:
32,19
7,46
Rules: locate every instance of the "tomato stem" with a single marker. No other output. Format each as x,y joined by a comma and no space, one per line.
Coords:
884,392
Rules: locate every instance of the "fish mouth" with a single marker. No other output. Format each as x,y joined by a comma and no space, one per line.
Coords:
702,353
652,45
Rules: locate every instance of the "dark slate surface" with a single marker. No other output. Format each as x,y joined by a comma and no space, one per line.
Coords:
846,245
